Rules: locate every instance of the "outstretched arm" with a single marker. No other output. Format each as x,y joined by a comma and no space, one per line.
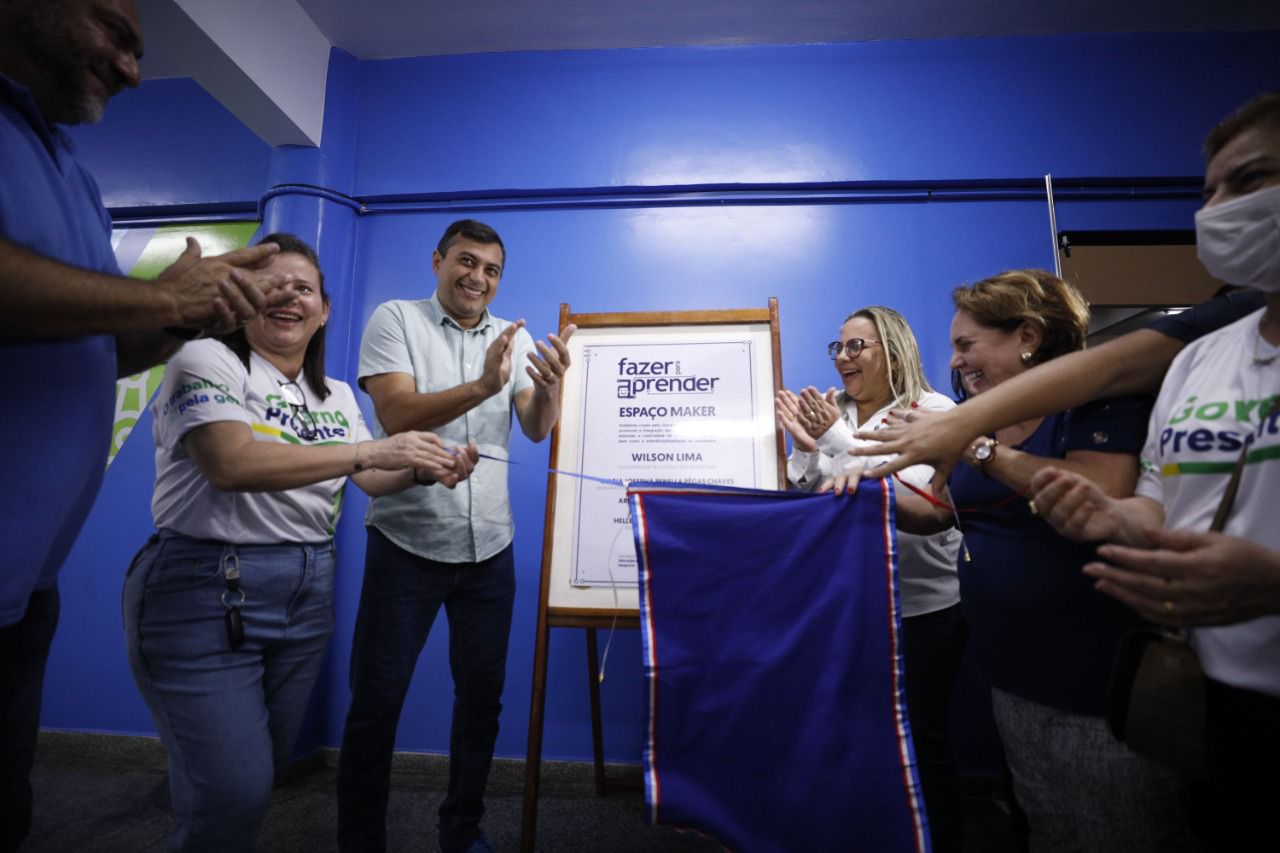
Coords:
44,298
1171,577
913,512
1080,509
233,460
1131,364
448,473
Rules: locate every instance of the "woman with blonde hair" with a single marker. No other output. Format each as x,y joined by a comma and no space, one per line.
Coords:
879,366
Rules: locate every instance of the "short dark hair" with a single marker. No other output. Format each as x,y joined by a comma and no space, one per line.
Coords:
1262,111
471,229
313,359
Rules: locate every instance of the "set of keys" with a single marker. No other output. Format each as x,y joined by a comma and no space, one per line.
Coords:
232,599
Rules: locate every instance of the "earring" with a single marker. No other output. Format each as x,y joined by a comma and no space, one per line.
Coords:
1026,359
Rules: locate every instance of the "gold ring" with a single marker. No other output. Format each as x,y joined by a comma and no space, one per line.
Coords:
1031,505
1168,607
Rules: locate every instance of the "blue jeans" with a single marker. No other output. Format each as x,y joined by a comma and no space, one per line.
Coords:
401,596
228,718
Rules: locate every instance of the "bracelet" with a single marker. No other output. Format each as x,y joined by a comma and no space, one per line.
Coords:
357,465
185,333
414,473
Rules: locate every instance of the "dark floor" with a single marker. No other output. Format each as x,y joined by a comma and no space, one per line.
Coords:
105,794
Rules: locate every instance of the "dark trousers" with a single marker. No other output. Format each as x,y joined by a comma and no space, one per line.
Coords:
401,596
932,647
1234,809
24,650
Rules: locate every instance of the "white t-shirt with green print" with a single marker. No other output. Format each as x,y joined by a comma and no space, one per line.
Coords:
207,383
1214,399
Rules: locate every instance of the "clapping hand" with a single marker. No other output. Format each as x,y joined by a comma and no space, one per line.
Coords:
787,406
218,294
549,365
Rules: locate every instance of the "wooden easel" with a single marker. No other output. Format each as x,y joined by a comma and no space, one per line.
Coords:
591,615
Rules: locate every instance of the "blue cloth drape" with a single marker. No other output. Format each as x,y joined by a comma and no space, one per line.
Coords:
775,715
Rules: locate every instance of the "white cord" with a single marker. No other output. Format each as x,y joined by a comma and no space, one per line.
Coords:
613,585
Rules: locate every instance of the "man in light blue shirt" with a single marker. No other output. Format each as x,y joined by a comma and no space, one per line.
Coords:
448,365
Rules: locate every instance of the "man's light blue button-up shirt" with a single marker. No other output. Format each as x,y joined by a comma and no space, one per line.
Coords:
473,521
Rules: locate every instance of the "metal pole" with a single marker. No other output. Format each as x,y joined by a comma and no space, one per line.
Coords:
1053,226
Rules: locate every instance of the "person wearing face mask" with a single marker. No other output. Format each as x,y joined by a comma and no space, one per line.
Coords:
1236,242
1215,422
228,608
879,366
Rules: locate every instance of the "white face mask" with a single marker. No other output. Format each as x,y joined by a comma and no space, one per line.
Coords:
1239,241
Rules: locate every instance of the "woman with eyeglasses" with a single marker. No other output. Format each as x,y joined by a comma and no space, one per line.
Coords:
1044,637
228,608
879,367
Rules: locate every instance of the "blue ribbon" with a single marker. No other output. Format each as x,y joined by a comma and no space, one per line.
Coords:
607,481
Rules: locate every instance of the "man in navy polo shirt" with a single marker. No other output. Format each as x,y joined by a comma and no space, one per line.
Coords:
70,324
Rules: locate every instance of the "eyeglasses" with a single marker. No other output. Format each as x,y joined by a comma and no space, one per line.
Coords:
852,347
302,422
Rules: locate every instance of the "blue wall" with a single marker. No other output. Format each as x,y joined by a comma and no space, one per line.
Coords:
690,178
168,144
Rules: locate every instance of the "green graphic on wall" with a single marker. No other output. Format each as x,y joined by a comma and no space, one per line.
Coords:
145,253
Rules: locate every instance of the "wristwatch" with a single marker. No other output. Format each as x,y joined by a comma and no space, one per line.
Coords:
983,451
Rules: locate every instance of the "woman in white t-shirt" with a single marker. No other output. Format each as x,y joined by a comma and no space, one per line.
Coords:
228,607
879,366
